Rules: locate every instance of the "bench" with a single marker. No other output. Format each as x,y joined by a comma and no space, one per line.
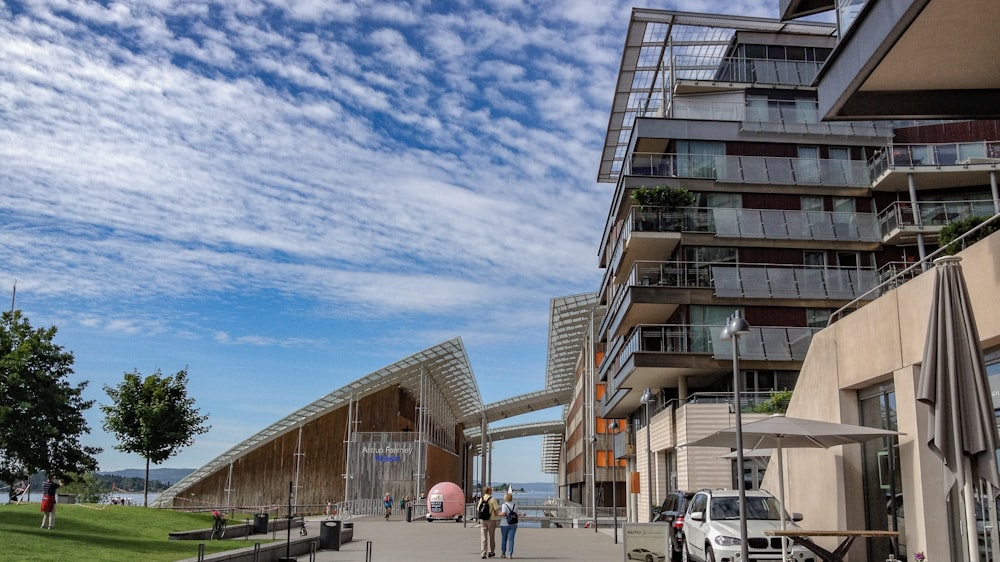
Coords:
802,537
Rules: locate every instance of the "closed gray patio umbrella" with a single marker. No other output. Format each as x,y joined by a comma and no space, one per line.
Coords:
962,429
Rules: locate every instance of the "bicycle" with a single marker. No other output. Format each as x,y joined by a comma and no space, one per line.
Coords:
219,527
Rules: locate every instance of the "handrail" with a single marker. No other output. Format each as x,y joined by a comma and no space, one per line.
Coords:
837,314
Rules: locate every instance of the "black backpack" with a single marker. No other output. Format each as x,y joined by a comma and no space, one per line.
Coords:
512,515
484,509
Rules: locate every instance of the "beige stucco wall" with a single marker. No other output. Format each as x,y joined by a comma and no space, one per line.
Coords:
881,342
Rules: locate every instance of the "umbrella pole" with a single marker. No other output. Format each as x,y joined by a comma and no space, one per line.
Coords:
781,499
968,495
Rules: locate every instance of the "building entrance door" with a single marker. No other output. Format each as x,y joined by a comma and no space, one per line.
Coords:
884,505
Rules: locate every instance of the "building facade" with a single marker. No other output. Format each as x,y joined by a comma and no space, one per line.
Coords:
789,219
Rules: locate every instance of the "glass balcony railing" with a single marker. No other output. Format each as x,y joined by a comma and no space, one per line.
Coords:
795,225
791,282
769,116
764,343
744,70
751,169
748,280
938,154
900,214
763,224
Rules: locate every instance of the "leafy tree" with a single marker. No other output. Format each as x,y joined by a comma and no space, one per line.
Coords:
152,417
87,488
776,404
41,412
954,229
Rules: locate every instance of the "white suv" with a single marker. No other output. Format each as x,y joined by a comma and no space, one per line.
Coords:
712,528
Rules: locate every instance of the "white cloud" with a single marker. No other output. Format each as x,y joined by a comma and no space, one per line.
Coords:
371,162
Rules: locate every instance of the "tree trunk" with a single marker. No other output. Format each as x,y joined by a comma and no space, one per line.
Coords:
145,487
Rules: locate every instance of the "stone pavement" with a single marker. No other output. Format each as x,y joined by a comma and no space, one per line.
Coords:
396,540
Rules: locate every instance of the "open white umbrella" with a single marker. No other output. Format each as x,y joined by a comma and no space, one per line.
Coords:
779,432
953,383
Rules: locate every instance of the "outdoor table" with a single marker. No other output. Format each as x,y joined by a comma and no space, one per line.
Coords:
801,537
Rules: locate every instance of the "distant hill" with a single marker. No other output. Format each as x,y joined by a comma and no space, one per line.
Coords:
164,475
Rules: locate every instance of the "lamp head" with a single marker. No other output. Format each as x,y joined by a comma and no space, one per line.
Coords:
737,325
647,396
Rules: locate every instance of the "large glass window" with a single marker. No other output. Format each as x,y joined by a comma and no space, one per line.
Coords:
881,477
706,323
698,159
806,166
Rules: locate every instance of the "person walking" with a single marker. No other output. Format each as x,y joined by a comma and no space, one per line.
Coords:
387,501
489,517
508,526
49,502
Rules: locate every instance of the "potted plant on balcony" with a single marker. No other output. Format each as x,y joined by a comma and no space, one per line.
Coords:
666,202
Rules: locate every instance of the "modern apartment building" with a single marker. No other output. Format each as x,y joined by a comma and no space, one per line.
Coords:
792,218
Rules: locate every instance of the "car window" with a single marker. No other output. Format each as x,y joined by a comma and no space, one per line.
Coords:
763,508
698,503
726,508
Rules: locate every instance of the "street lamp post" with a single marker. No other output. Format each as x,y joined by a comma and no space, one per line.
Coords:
613,426
735,327
647,399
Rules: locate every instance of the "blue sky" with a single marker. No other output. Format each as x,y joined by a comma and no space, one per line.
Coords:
283,196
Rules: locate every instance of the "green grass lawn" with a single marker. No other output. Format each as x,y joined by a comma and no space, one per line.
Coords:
85,533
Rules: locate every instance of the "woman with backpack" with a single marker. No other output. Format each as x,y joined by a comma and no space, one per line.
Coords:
508,526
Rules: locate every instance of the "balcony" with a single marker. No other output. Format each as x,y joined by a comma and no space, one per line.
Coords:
772,117
658,354
639,299
966,163
751,169
743,70
900,224
777,224
650,233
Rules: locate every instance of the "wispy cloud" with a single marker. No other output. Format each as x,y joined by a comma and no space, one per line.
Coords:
410,167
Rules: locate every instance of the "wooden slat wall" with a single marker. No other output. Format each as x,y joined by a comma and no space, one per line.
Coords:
260,478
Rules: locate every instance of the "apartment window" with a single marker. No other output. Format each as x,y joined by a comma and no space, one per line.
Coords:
706,323
811,203
814,258
817,317
806,167
698,159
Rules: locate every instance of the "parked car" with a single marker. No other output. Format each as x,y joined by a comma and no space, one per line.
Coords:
712,527
672,513
645,555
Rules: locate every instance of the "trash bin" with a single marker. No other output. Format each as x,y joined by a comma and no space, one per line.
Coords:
409,513
260,523
329,534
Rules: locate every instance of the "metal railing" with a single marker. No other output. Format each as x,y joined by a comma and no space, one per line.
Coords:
934,154
770,116
932,213
906,274
750,169
779,224
750,280
763,343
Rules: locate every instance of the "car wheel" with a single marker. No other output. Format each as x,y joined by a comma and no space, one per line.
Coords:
649,558
709,554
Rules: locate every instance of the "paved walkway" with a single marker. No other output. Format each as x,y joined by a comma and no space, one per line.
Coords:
396,540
